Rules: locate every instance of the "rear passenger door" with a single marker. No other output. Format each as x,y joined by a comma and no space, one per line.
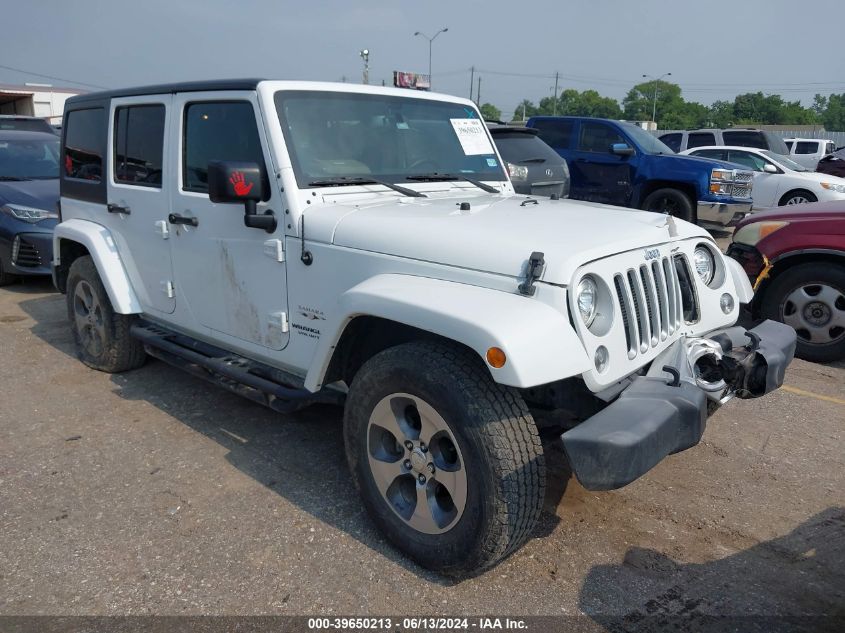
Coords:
139,198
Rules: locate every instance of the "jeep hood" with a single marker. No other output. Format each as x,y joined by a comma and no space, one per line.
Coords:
496,235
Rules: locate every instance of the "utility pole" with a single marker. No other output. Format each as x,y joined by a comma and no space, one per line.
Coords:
471,81
555,102
656,81
478,93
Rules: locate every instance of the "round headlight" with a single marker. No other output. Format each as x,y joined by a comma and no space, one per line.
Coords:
705,264
586,298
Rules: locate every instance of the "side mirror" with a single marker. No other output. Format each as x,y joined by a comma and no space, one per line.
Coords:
770,169
621,149
231,182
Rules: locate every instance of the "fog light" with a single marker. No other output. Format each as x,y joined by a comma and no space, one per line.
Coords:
602,357
727,303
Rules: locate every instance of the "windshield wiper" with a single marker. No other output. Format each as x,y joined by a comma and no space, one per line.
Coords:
437,177
340,181
13,178
531,160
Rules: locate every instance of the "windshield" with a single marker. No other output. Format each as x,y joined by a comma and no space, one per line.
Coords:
29,159
519,148
348,136
649,143
786,162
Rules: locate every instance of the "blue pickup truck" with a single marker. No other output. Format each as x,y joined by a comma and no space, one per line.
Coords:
618,163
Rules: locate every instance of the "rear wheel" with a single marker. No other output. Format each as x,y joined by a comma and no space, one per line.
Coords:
670,201
102,336
811,298
799,196
449,463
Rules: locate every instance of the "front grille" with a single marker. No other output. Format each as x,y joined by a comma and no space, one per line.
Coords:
24,254
740,191
743,176
651,303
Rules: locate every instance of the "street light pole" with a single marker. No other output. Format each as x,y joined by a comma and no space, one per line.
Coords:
430,40
654,101
365,55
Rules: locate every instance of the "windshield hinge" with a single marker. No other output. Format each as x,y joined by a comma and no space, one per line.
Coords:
536,265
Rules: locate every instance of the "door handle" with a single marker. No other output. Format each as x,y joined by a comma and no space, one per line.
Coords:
175,218
116,208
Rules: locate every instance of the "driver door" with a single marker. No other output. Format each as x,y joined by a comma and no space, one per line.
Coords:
231,278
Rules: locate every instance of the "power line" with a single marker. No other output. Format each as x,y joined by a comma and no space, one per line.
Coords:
69,81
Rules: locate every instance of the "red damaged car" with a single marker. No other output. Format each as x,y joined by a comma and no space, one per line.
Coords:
795,259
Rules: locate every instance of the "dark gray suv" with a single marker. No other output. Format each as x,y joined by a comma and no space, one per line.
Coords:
534,167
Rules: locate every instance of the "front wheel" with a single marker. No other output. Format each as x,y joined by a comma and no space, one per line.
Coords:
670,201
811,298
799,196
449,463
102,336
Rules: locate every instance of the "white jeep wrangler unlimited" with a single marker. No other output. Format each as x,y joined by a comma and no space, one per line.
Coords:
298,242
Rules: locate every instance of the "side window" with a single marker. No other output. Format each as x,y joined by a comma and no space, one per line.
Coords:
828,148
700,139
85,137
789,145
717,154
139,145
558,134
673,141
746,159
745,138
598,137
218,130
806,147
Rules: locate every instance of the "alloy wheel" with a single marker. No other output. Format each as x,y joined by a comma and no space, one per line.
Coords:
416,463
816,312
88,315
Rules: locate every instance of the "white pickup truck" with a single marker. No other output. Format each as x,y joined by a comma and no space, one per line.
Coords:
298,242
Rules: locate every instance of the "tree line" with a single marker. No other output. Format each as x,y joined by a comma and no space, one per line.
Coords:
673,112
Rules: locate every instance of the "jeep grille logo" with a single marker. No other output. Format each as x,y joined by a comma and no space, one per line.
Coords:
651,253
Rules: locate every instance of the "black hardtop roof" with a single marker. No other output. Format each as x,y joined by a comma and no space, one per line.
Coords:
186,86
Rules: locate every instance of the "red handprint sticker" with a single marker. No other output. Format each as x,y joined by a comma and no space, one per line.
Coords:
241,187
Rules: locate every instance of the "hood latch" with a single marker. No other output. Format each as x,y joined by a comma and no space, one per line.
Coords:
536,265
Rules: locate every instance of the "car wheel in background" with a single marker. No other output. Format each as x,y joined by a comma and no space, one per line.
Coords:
102,336
670,201
811,298
798,196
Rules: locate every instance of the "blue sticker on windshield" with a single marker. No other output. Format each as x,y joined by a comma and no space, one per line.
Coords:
491,162
470,113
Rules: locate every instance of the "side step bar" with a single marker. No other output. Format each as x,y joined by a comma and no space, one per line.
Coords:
258,382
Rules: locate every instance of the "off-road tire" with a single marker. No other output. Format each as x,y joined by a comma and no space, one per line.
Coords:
672,201
120,352
795,194
774,299
496,435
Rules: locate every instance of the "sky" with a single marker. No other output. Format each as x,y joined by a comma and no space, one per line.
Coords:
714,50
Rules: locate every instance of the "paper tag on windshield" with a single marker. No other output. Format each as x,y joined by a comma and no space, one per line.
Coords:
473,136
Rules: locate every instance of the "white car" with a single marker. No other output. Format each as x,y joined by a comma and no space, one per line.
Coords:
778,181
300,242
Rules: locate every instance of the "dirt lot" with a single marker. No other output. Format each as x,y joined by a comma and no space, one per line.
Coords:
153,492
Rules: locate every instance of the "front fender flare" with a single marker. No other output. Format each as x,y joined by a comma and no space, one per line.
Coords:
539,342
101,246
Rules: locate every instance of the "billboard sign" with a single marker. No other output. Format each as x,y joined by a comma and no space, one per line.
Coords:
414,81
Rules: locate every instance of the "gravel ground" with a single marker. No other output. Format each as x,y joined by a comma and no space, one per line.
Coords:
152,492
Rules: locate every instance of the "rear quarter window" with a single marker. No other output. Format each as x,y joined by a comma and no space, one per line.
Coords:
558,134
83,153
745,138
673,141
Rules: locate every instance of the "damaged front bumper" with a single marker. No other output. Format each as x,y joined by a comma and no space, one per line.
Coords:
665,410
